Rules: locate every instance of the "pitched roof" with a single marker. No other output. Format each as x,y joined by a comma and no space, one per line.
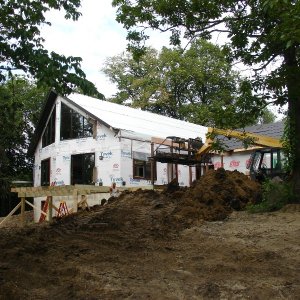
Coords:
272,129
136,120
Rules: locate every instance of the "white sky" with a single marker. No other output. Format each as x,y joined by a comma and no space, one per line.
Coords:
94,37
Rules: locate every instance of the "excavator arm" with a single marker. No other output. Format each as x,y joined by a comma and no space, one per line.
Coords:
258,140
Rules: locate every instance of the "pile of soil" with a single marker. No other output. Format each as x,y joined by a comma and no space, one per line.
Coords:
217,194
211,198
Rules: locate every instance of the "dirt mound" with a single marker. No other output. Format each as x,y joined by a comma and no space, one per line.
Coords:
211,198
216,194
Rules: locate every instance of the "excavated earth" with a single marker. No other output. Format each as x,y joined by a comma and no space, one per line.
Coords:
181,243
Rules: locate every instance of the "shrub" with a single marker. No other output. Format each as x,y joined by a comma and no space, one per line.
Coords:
274,196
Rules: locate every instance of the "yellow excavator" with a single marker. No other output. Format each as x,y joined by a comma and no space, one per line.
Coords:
266,161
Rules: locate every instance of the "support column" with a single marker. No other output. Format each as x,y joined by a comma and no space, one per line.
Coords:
152,164
75,201
50,202
23,211
190,176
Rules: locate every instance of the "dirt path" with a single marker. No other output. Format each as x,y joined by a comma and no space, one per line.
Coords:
108,254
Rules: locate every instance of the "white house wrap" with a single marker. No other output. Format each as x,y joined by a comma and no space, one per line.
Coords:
83,140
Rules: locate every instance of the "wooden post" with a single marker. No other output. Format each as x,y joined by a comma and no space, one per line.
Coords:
152,164
172,166
75,201
84,203
190,176
206,167
23,211
50,201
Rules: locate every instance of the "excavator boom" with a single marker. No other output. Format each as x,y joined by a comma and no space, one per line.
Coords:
265,162
258,140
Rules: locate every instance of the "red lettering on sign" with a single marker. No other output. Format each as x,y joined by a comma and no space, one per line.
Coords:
248,162
217,165
234,163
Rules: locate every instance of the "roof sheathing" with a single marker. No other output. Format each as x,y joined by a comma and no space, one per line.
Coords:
274,130
137,121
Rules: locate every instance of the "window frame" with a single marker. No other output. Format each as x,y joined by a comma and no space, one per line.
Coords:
48,136
67,129
81,165
45,175
146,165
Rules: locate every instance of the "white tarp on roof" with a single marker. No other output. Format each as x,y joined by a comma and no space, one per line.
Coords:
138,121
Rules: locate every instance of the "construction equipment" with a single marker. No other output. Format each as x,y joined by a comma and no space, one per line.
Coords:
176,150
265,162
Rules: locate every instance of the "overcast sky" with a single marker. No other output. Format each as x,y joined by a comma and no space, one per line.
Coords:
94,37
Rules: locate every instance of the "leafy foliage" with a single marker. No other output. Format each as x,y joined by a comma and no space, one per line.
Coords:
20,105
263,31
263,34
197,85
275,196
22,46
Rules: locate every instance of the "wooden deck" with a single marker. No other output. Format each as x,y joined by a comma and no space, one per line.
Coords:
76,191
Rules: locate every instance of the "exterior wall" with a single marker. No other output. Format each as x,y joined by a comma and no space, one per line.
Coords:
236,161
115,165
59,153
105,144
128,147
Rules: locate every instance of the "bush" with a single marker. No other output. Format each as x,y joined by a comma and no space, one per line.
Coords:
274,196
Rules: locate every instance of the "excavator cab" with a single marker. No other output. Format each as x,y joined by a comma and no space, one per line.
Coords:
266,164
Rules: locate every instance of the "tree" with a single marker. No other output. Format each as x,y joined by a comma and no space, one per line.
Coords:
261,33
20,105
197,85
22,46
266,117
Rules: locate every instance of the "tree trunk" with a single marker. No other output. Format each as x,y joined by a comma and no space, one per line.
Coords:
293,87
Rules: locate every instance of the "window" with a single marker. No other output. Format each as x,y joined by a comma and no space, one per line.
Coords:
49,133
142,169
82,166
45,172
73,125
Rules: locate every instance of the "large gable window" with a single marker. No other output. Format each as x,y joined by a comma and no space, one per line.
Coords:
82,166
49,133
74,125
